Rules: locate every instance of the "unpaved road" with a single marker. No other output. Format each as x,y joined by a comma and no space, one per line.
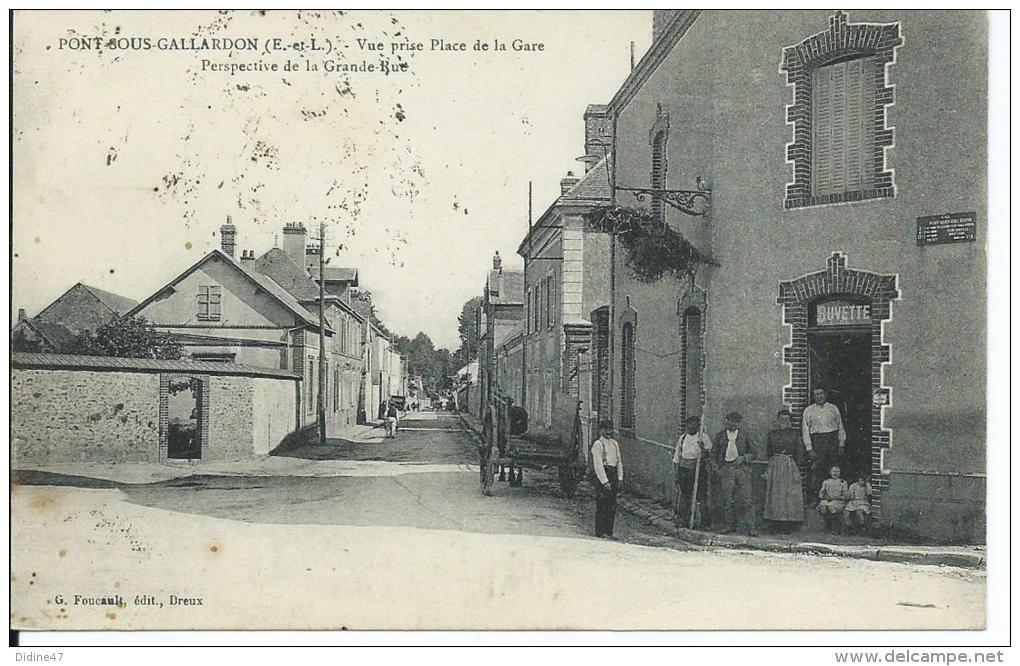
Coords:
395,534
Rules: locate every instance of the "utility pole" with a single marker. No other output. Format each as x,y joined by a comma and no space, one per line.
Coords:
322,334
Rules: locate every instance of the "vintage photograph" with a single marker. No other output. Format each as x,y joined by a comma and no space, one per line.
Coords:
499,320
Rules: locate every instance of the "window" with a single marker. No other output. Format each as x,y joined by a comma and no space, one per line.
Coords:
692,362
627,378
843,127
336,389
209,303
838,113
310,398
548,301
658,179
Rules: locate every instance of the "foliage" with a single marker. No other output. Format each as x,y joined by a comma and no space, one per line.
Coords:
131,337
366,296
653,248
433,365
467,330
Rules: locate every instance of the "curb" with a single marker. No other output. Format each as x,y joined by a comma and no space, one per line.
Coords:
876,553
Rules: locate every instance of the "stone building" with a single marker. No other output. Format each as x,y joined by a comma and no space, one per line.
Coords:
263,312
844,161
81,308
501,308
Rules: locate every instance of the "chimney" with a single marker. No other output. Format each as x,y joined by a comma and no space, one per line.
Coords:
294,242
497,262
568,182
228,238
21,314
598,134
247,257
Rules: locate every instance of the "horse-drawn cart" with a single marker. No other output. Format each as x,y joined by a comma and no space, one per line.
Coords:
511,445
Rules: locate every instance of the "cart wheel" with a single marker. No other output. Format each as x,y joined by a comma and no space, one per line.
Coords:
487,469
568,481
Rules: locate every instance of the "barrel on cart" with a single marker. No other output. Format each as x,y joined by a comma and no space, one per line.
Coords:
512,445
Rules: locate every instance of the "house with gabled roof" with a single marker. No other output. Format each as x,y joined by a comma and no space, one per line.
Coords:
264,313
79,309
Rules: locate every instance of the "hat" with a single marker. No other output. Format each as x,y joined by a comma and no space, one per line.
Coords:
735,417
693,419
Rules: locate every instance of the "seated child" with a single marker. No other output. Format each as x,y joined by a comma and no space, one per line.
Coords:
858,506
832,498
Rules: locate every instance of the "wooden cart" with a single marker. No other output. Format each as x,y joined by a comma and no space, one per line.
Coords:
510,445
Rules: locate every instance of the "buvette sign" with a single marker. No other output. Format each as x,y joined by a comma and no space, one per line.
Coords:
841,313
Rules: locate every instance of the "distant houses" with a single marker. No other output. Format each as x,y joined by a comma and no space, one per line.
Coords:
247,315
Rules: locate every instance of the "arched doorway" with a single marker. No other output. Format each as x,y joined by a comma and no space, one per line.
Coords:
835,318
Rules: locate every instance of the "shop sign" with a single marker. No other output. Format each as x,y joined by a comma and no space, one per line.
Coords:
947,228
842,313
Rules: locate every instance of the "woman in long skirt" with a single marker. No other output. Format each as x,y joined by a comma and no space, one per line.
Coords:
784,499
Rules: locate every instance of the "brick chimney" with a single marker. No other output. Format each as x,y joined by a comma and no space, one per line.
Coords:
294,242
568,182
497,262
598,134
247,258
21,314
228,238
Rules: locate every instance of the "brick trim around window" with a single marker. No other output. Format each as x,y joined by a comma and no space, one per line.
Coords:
842,40
796,296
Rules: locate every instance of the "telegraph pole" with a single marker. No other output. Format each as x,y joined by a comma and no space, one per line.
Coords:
527,313
322,335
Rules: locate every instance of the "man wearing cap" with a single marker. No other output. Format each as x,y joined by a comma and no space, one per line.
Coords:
731,459
692,450
824,438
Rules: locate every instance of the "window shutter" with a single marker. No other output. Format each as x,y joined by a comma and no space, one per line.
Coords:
843,108
821,152
215,302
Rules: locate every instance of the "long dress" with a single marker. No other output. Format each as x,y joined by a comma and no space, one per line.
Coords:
784,499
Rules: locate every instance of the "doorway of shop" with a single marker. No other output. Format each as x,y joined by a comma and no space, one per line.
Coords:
839,360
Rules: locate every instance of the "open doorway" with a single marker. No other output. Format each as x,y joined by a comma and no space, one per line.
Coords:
184,419
840,361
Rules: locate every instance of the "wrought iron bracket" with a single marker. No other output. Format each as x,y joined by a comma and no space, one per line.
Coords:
684,201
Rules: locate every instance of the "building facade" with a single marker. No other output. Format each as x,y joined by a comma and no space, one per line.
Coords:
501,308
840,164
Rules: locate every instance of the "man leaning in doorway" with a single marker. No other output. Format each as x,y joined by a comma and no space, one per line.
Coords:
608,467
731,458
824,439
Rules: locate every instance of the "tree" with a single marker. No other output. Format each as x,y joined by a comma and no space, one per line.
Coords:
131,337
467,329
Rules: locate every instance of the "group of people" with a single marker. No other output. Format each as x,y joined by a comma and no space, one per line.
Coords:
704,465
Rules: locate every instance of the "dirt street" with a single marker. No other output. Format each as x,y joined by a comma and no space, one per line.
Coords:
378,533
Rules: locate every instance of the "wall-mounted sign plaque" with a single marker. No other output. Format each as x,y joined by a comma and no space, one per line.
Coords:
947,228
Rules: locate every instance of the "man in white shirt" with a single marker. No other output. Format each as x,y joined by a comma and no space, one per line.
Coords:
608,467
692,449
732,454
824,438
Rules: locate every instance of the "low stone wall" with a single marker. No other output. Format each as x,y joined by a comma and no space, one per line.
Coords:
61,416
68,409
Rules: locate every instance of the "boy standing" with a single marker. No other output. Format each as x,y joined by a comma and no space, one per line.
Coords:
608,466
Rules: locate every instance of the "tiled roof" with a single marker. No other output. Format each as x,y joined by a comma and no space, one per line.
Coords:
119,364
593,187
510,288
277,265
267,284
337,274
116,302
56,334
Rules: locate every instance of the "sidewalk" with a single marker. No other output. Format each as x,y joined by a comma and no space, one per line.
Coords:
813,542
856,547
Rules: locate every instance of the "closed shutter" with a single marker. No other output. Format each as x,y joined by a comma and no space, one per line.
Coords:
843,101
658,173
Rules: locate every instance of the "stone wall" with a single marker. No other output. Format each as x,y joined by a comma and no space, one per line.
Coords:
230,418
60,416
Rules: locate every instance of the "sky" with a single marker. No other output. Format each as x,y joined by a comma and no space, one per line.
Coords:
128,160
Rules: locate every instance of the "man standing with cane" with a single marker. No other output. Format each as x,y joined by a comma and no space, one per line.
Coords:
690,474
824,438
